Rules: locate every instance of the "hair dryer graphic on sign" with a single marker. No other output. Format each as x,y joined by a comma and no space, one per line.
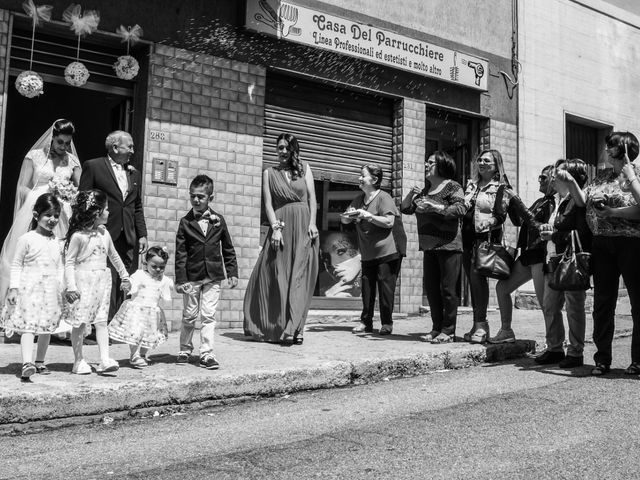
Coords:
478,69
282,21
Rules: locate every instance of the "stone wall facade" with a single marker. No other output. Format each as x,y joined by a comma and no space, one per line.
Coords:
585,68
408,160
210,113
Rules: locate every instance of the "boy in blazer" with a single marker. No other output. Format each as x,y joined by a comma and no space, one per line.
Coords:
204,257
122,184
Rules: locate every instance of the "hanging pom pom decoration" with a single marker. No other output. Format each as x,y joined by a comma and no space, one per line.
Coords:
76,73
126,66
29,83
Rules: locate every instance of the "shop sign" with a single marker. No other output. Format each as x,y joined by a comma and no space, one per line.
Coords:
329,32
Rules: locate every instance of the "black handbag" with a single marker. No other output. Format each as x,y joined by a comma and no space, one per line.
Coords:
493,260
570,271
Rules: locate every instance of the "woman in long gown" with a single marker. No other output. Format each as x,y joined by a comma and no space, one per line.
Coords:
282,282
51,159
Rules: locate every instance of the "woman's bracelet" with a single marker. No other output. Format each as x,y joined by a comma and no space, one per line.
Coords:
632,179
279,225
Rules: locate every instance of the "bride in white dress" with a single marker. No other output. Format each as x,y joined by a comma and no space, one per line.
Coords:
53,157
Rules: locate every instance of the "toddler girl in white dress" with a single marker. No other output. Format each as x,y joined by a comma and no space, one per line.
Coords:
140,322
88,278
34,301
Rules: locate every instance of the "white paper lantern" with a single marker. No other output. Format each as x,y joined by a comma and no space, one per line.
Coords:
30,84
126,67
76,74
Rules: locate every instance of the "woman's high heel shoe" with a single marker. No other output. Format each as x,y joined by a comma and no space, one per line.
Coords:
298,339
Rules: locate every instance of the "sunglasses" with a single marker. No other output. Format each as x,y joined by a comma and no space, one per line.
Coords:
486,161
542,178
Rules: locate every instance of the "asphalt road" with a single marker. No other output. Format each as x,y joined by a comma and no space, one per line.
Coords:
498,421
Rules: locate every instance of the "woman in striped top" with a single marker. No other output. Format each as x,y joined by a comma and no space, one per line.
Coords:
438,207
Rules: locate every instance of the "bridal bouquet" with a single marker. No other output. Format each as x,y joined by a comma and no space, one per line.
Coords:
63,188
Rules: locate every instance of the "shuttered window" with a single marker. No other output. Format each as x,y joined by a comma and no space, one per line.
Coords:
582,143
55,47
339,131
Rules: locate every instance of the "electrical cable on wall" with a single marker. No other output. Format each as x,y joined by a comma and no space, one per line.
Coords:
516,67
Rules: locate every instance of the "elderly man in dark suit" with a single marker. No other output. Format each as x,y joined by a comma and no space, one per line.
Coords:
122,185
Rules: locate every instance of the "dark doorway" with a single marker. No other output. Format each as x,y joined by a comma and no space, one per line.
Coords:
456,135
585,140
94,113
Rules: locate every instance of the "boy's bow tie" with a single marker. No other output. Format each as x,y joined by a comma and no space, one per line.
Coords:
207,215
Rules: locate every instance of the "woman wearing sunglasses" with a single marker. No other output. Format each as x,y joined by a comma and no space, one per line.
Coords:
529,263
487,199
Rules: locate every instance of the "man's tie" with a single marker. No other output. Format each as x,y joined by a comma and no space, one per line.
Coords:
121,177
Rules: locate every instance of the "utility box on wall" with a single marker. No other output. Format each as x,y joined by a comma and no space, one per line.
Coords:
164,171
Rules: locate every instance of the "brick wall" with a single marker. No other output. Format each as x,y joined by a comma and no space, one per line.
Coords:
408,158
210,111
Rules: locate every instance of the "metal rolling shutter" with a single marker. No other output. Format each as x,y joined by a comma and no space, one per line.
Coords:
339,131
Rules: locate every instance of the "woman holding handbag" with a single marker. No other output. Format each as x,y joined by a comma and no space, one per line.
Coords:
567,226
487,199
529,264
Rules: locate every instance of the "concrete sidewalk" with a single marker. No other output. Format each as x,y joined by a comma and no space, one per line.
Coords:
330,357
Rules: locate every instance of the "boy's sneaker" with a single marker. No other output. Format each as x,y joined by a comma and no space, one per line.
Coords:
42,369
362,328
183,357
28,369
209,362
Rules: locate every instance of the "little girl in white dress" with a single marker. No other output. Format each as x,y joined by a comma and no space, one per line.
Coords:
140,322
34,301
88,279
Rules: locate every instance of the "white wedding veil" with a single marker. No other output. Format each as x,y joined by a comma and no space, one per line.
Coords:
25,179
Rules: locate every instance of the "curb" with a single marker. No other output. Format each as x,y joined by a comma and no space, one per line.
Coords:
127,397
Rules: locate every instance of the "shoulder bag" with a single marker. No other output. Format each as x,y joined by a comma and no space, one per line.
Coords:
493,260
570,271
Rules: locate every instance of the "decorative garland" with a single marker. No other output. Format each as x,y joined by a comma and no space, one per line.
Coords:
127,67
76,73
29,83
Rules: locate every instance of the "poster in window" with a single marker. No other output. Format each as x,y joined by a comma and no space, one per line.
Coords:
340,271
